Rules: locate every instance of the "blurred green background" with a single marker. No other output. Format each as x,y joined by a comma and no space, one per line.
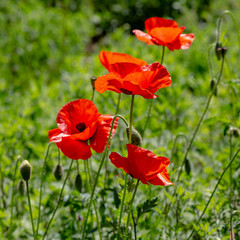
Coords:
49,51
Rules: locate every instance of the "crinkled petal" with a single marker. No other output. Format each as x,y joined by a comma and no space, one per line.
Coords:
154,22
99,140
74,149
107,58
119,161
166,35
186,40
76,112
144,37
161,179
108,82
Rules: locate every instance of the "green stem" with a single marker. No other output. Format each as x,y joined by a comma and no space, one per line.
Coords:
93,91
118,104
122,204
94,203
130,209
131,120
59,200
231,183
151,101
41,186
210,198
12,197
197,128
98,173
201,120
30,211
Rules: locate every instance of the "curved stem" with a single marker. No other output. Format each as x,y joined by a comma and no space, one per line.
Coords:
12,197
94,203
210,198
59,200
30,211
163,52
98,173
41,186
130,208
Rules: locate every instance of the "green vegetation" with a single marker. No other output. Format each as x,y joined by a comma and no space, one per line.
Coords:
49,52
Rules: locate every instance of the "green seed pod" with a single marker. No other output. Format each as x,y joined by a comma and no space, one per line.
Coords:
21,187
93,80
26,170
58,172
136,137
212,85
218,50
78,182
235,132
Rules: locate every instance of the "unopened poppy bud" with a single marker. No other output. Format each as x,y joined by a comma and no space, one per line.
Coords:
21,187
93,80
78,182
58,172
212,85
235,132
26,170
136,137
218,49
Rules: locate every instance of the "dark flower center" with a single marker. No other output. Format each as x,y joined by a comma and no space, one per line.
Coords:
81,127
125,91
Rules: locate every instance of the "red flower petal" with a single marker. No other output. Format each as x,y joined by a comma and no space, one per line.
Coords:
154,22
107,58
186,40
144,37
165,35
74,149
143,165
77,112
99,139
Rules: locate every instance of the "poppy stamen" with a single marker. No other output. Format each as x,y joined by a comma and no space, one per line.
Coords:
81,126
125,91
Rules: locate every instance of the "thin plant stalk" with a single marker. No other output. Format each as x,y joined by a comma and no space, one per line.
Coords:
126,175
94,203
201,120
98,173
151,101
215,188
93,91
12,197
231,184
41,187
130,209
59,200
118,103
197,128
30,211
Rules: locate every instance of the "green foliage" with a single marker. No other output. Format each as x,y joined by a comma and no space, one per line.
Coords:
49,52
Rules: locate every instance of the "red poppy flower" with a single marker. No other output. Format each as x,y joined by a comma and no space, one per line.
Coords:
108,58
132,79
165,33
81,126
143,165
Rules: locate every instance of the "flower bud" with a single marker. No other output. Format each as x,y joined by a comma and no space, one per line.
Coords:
218,48
235,132
78,182
93,79
212,85
26,170
58,172
21,187
136,137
